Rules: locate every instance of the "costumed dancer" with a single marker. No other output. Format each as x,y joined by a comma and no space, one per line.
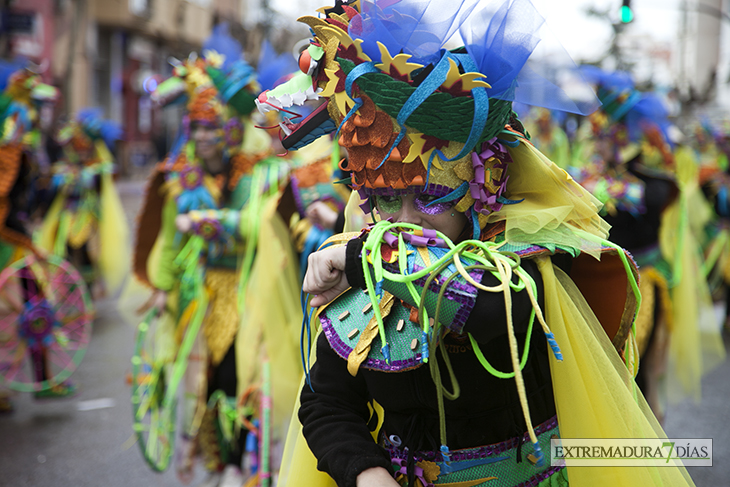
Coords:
646,191
210,243
634,198
481,240
711,148
34,342
86,223
311,203
319,203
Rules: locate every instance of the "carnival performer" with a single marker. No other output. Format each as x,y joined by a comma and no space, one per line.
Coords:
22,95
435,151
710,148
209,206
634,198
319,203
311,203
86,223
647,192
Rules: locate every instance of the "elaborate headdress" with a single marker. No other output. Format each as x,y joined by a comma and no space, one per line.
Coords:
89,130
413,115
218,88
22,91
628,117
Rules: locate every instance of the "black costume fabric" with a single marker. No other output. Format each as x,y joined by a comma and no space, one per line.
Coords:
335,415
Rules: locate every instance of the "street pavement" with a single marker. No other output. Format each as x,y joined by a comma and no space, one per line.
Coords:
87,440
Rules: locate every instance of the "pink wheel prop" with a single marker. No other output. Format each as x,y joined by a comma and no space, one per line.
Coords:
45,323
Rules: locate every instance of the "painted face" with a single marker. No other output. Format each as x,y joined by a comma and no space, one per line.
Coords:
207,141
413,208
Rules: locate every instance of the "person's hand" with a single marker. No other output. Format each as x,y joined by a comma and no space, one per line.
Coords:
157,300
376,477
183,222
322,215
325,275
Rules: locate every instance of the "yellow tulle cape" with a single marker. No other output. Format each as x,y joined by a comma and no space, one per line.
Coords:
696,345
595,395
115,250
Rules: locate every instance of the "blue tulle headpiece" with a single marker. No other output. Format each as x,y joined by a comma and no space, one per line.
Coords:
273,68
234,79
7,68
221,42
622,103
95,126
502,42
420,28
650,109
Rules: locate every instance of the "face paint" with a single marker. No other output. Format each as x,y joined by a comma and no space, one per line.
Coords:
421,204
388,204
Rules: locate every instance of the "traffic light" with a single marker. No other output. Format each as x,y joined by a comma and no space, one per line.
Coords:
627,15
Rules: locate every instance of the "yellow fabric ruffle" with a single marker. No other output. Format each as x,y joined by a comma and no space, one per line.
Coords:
355,219
221,323
82,228
114,245
45,237
553,204
298,461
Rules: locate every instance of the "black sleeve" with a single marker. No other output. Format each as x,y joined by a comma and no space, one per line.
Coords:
658,193
335,419
353,264
340,223
489,307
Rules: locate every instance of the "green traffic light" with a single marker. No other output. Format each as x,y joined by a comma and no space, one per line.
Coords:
626,14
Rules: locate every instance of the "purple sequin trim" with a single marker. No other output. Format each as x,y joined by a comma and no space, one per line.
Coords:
480,452
427,208
528,251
